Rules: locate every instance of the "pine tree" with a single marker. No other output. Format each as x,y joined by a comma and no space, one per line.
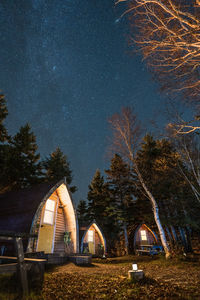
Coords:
120,183
159,165
102,209
3,115
126,135
56,167
97,197
82,212
23,167
3,145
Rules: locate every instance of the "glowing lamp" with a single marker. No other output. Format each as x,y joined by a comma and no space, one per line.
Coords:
135,267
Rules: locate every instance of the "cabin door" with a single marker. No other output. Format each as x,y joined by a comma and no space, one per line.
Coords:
47,226
91,241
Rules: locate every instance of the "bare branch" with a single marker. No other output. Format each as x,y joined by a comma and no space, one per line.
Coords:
168,35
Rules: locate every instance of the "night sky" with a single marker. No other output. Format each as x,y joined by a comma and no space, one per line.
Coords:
65,67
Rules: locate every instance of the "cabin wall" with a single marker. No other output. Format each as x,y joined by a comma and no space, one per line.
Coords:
97,242
59,246
70,219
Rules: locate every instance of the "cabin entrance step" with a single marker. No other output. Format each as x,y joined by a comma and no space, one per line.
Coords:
81,259
57,258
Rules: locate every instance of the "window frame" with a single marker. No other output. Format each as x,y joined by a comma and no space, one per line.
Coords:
47,210
143,235
89,236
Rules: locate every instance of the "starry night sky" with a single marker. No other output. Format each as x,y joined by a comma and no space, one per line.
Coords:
65,68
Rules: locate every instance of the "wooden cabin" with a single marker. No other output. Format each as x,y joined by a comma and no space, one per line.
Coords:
144,236
45,210
92,240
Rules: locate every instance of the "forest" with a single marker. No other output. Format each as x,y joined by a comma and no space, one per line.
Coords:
150,180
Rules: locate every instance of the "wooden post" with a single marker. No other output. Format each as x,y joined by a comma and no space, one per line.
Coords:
21,265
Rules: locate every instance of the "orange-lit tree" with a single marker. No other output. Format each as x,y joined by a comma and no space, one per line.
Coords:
167,33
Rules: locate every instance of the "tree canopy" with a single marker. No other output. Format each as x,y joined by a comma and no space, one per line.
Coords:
23,166
20,161
56,166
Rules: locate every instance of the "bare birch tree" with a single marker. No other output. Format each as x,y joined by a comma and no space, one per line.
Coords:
126,136
183,127
188,148
167,34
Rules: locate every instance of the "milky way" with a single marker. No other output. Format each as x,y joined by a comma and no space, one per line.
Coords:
65,68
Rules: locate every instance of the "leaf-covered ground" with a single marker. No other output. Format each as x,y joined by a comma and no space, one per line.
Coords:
107,279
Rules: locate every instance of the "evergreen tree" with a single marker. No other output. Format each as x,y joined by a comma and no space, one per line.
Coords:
102,209
159,165
56,167
120,183
3,115
126,134
82,212
3,146
23,167
97,198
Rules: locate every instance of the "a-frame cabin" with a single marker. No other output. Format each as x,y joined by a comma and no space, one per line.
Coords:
92,240
45,210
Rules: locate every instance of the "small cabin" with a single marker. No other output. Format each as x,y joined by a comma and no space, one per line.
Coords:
144,236
92,240
45,211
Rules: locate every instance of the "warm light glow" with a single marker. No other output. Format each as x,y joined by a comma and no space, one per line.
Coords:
100,235
90,235
49,212
66,202
134,266
143,235
167,34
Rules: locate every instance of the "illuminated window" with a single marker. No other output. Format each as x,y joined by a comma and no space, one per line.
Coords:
143,235
90,236
49,212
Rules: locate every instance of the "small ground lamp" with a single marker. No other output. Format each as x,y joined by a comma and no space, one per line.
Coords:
134,266
135,274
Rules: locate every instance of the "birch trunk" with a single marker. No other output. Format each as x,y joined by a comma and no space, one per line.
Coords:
156,214
169,234
183,239
174,234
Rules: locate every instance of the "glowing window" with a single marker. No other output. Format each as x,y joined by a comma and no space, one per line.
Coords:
49,212
90,236
143,235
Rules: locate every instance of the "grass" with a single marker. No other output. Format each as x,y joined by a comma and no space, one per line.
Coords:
107,279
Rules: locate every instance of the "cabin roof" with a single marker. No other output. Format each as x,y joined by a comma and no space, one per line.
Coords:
17,208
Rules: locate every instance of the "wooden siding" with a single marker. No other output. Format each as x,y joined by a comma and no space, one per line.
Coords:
59,246
70,219
97,242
